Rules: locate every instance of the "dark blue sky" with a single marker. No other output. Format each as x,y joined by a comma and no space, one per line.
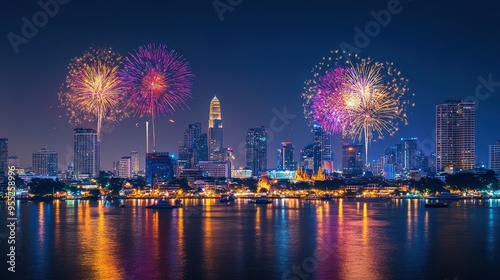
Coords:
255,60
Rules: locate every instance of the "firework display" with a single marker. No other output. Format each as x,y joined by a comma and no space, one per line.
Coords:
157,81
92,89
360,98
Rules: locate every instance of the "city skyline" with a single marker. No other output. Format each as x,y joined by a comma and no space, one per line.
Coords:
252,95
190,153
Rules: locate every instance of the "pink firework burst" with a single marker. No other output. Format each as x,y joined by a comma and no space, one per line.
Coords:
157,81
327,105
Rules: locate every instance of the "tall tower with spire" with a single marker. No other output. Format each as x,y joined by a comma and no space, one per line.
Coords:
215,136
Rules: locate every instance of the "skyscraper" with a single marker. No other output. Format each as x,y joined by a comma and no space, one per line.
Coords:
215,135
159,168
87,153
4,155
307,158
455,136
256,150
322,150
352,160
409,153
285,156
203,148
494,157
317,146
44,162
134,158
125,167
189,151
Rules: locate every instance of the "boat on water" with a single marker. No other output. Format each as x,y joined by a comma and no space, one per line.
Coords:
446,196
262,200
436,205
163,203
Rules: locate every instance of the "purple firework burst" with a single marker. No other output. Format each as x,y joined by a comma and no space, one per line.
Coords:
157,81
327,105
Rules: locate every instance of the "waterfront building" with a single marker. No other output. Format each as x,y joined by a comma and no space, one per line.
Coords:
455,136
215,169
45,162
87,153
159,168
494,157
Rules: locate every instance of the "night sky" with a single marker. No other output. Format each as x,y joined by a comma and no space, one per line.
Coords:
255,60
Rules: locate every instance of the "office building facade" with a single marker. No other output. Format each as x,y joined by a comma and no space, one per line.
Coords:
455,136
256,150
45,162
87,153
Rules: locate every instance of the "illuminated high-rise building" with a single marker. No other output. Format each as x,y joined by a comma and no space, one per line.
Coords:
87,153
45,162
455,136
4,155
159,168
203,148
135,166
307,158
352,160
408,154
494,157
285,157
322,150
215,133
189,151
125,167
256,150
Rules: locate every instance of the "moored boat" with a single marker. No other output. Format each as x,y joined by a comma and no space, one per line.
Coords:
445,196
262,200
163,203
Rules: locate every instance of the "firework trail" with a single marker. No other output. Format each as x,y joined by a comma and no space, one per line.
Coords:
359,98
92,89
157,81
